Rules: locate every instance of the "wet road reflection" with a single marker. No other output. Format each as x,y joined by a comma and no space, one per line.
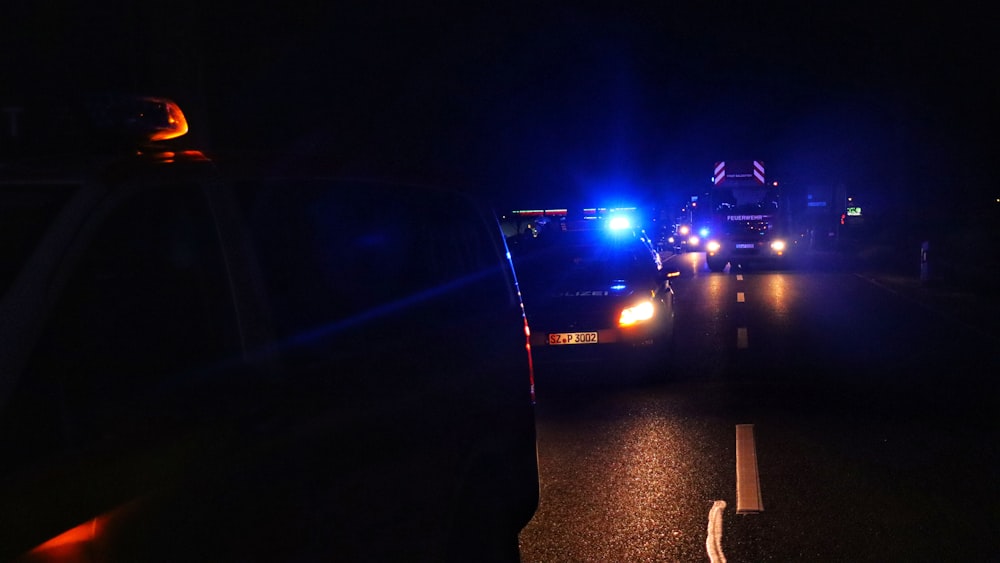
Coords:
634,482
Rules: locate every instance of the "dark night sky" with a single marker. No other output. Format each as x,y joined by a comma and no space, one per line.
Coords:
536,104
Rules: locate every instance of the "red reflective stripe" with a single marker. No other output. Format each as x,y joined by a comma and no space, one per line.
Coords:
531,363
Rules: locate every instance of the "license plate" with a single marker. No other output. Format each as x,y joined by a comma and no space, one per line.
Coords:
744,245
562,338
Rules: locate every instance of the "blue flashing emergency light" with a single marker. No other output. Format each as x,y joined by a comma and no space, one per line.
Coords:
618,223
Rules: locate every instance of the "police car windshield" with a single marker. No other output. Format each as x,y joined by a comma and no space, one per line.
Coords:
559,259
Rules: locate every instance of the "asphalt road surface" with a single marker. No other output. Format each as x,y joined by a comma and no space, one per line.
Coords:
871,401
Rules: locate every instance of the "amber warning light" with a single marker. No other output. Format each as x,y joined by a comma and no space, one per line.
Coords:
175,124
95,122
155,119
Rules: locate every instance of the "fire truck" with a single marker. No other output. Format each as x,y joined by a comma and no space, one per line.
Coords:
749,219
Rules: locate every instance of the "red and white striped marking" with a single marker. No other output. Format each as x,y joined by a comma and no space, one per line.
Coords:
740,171
720,172
758,171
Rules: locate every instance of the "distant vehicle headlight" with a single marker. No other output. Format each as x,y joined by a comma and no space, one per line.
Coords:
670,240
713,246
684,230
636,313
778,246
693,241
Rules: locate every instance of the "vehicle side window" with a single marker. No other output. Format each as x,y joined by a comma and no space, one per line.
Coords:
354,268
145,310
331,253
25,212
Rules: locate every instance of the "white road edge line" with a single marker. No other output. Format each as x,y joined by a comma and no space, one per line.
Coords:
713,541
748,498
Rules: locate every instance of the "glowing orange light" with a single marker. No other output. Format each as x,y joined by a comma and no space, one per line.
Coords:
177,124
85,532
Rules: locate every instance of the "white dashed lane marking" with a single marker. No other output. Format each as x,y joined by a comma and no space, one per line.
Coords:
741,332
748,498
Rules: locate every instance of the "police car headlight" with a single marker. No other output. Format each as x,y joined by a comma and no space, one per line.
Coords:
636,313
713,246
778,246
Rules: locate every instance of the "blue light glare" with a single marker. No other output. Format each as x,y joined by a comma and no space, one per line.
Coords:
618,223
703,232
618,285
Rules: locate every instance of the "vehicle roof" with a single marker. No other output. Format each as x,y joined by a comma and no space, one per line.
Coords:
242,164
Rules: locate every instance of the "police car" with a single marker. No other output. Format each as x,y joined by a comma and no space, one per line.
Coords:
218,360
597,298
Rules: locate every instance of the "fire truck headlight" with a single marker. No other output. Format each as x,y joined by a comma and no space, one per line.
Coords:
778,246
713,246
